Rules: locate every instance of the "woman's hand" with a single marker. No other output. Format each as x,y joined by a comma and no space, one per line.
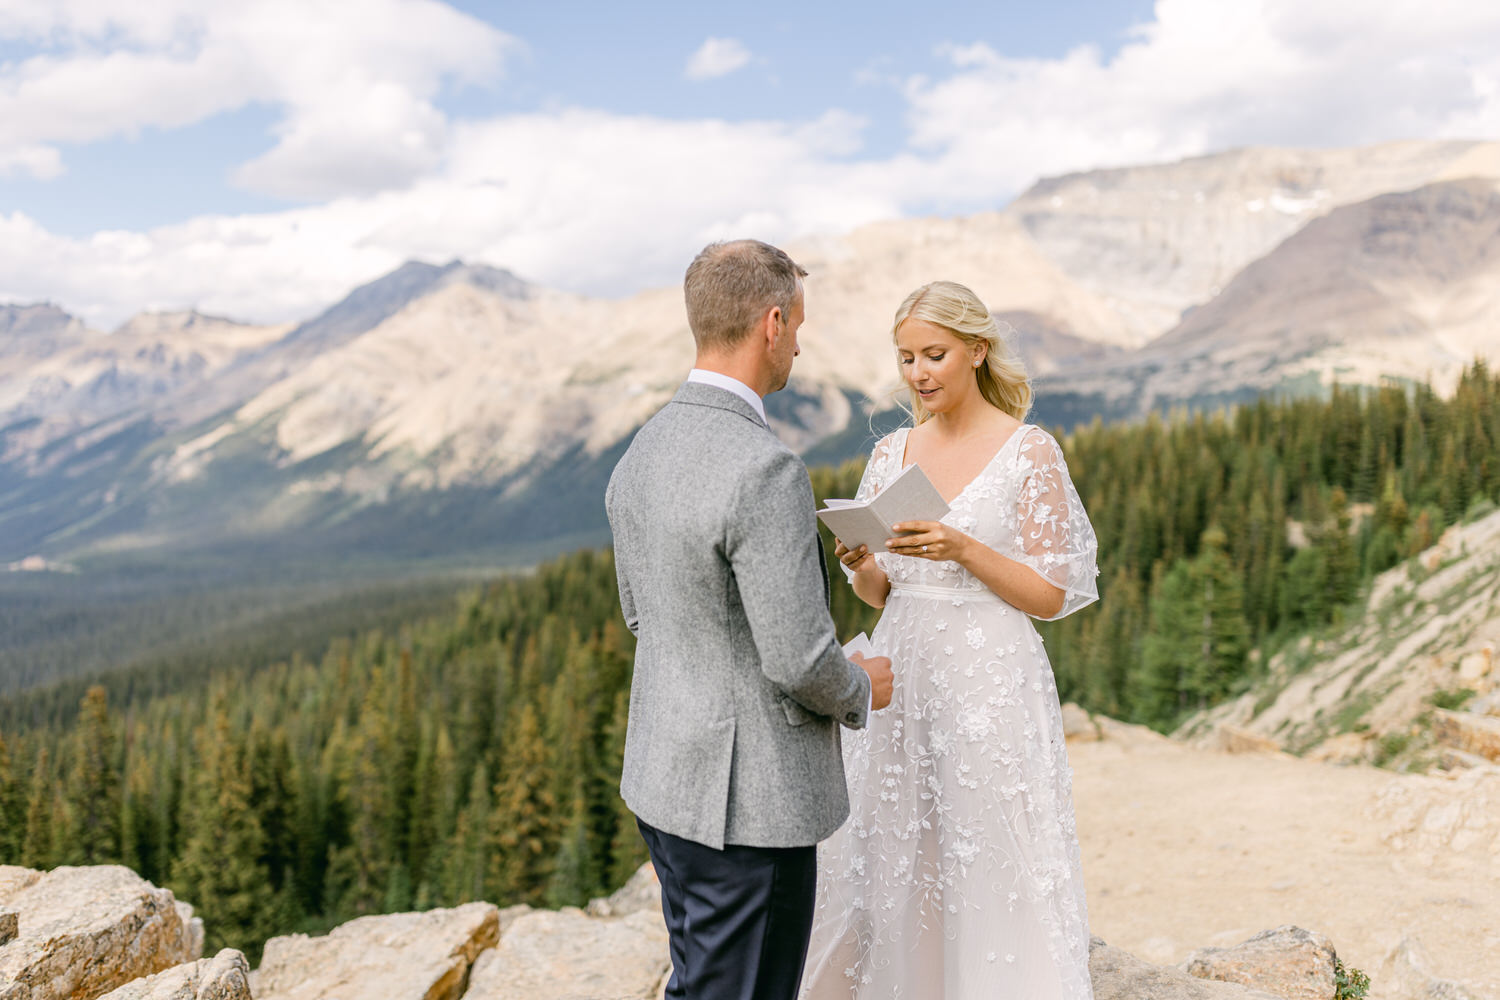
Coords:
854,559
930,540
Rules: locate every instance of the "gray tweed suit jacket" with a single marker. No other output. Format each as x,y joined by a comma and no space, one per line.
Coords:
740,685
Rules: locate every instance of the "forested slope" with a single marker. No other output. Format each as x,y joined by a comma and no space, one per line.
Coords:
476,754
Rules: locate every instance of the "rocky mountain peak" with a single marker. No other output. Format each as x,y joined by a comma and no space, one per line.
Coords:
36,331
371,304
158,323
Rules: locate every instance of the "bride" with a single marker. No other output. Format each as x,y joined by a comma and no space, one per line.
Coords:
957,874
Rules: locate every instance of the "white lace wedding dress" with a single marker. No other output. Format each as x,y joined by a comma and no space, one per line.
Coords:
957,875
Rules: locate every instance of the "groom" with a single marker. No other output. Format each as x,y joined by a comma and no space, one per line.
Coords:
732,761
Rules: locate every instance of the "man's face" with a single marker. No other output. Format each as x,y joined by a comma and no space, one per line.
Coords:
786,344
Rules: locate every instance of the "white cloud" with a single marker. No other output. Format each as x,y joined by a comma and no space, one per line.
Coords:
42,162
355,82
1207,75
608,203
717,57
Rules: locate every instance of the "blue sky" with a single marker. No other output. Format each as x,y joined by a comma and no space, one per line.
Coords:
258,159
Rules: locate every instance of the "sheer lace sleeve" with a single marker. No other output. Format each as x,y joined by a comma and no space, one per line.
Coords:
1053,534
877,470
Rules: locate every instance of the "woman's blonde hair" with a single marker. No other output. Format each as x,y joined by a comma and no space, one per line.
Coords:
1002,378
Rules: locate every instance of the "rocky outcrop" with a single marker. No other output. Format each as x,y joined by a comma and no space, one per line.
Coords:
85,931
1232,739
1405,975
1475,734
1379,689
226,976
568,955
402,956
105,934
641,893
1288,961
1119,975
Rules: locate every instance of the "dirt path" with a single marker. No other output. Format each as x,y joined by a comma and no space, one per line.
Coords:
1184,848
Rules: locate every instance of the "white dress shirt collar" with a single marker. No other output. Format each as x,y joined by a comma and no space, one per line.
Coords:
733,385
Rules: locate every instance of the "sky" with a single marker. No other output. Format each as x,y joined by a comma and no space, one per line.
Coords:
259,159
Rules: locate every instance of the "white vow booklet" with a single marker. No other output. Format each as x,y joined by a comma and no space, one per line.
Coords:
909,497
859,644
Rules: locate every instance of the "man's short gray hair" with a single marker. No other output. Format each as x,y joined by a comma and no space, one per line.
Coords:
730,286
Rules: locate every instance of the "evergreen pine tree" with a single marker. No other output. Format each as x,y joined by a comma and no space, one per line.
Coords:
140,836
374,843
468,855
38,850
575,874
94,791
220,868
1225,635
523,817
1159,685
627,851
1335,547
12,810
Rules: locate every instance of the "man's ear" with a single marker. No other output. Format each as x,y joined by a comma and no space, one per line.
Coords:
771,326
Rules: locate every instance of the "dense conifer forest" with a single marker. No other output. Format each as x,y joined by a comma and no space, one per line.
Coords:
475,754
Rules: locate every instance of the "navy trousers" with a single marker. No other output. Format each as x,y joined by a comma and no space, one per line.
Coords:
738,919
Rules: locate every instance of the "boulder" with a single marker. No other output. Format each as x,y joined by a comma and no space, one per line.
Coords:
1078,725
511,914
1290,962
1475,669
1119,975
1232,739
226,976
1128,734
1476,734
1345,748
568,955
642,893
1405,975
85,931
401,956
14,878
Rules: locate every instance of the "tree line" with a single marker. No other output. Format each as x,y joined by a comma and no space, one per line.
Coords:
476,755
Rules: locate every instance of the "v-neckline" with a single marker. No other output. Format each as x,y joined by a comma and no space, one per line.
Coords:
982,469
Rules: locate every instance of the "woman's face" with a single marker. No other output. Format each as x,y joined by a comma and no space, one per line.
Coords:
936,364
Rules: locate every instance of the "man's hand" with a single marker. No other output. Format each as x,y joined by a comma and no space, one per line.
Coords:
879,670
855,559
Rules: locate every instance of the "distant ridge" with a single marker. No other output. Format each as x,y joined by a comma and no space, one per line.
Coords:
460,390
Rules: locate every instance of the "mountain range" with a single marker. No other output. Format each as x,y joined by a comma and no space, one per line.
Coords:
456,412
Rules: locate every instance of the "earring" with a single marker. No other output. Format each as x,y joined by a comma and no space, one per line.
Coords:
979,362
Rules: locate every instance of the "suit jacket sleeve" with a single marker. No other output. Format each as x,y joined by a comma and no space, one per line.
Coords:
627,598
772,546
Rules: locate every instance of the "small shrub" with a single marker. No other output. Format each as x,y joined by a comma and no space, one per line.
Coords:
1391,746
1451,699
1349,984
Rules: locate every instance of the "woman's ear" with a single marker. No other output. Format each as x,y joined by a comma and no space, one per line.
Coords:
979,353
